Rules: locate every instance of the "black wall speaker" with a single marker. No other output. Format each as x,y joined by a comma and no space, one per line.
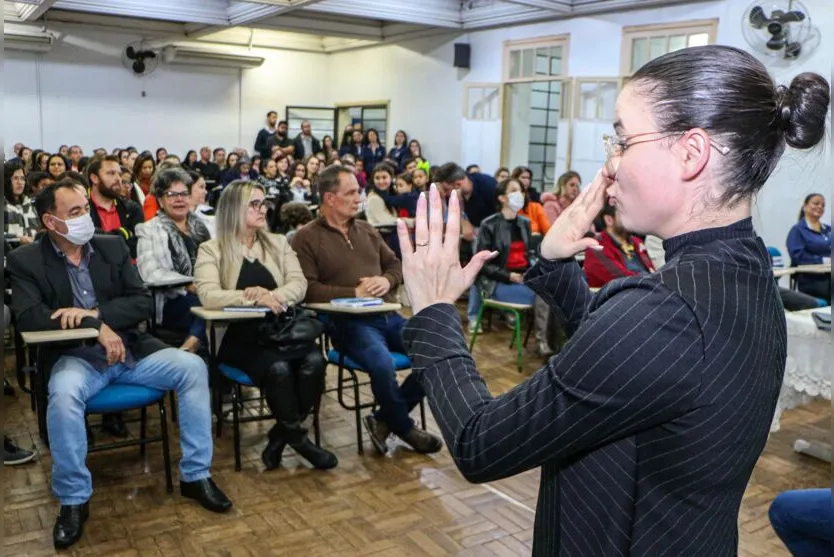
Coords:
462,52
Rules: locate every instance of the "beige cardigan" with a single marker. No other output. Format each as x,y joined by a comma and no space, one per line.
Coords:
217,292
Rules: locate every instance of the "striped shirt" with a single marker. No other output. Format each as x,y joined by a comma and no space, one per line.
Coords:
648,424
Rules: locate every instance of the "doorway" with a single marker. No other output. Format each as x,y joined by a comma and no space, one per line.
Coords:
366,116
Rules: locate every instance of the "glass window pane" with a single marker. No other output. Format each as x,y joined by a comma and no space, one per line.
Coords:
515,64
657,47
608,100
677,42
527,62
537,135
538,117
536,153
552,135
587,101
542,61
475,97
639,53
539,99
555,60
699,39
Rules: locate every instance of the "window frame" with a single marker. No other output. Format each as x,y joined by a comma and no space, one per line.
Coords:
562,41
576,108
690,27
499,113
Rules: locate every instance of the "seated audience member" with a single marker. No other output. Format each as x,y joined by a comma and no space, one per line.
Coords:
37,181
804,521
70,278
143,171
477,191
151,206
473,169
295,216
205,166
421,180
161,153
415,151
247,265
501,174
399,151
622,253
406,198
111,213
373,153
379,211
566,190
299,183
198,201
12,454
167,250
56,165
190,160
343,257
20,218
809,243
509,233
533,210
525,176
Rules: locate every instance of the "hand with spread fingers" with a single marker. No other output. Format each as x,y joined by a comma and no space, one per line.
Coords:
432,269
566,237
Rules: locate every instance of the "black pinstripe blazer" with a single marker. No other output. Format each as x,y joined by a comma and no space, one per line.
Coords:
648,424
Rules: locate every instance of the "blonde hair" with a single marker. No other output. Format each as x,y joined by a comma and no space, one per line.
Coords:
231,226
563,181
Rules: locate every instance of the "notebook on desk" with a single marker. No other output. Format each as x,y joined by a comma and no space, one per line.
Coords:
250,309
822,319
356,302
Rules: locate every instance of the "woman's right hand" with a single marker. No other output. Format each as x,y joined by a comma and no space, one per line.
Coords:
566,237
254,293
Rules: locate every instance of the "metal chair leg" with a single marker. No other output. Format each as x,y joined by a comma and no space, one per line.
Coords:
143,429
423,413
358,412
173,397
166,450
477,328
517,337
236,395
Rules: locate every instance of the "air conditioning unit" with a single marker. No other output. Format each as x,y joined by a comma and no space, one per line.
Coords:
193,57
27,43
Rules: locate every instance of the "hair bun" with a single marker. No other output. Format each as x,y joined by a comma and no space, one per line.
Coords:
801,109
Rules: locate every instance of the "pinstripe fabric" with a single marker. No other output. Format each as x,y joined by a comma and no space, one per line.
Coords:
649,422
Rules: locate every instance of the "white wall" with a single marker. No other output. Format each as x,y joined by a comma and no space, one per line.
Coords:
81,93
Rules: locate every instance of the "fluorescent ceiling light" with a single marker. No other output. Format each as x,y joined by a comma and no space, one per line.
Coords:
187,56
27,43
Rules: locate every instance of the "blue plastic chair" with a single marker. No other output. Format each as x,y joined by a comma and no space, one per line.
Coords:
122,397
240,379
345,363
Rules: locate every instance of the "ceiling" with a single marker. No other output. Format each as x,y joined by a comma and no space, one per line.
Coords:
312,25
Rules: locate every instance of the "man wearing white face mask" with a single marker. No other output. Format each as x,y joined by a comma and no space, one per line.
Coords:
73,279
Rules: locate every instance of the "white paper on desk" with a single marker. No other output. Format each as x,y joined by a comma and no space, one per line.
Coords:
826,261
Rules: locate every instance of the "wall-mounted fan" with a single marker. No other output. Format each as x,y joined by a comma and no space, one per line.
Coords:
781,29
140,59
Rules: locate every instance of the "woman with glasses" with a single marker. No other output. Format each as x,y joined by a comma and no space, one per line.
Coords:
648,423
244,266
167,249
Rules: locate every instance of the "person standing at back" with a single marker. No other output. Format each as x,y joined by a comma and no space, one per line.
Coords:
305,144
266,134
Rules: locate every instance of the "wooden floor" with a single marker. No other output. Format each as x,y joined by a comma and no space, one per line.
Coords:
402,504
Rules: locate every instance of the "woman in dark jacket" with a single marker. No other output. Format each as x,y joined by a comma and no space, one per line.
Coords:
809,243
399,152
374,152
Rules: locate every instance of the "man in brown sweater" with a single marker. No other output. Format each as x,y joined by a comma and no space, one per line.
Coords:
343,257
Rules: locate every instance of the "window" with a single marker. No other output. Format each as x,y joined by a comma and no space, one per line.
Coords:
642,44
482,102
322,120
535,60
596,99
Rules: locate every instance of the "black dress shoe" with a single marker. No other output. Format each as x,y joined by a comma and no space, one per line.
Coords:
321,459
114,425
271,456
70,525
207,494
8,390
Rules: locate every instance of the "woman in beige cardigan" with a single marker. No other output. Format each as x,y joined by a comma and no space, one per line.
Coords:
246,265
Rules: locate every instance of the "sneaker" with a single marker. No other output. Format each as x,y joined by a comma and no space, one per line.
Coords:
422,441
14,455
378,432
473,330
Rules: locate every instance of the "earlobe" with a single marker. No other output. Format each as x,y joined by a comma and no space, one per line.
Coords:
695,153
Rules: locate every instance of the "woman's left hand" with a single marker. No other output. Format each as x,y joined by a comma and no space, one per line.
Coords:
432,271
272,302
254,293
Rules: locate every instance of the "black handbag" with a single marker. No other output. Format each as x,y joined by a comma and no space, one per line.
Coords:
292,330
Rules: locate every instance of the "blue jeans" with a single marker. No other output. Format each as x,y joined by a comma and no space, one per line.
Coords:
474,303
370,341
177,316
74,381
804,521
513,293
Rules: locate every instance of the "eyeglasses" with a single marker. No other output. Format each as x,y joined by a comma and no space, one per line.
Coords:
175,194
616,145
257,204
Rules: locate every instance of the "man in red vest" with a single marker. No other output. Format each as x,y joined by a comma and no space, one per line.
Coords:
622,253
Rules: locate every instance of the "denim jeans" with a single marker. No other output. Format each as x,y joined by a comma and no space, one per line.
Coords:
177,316
474,303
513,293
804,521
74,381
369,341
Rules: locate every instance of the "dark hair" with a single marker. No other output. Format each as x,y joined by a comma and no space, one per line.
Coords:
45,201
217,150
608,210
405,177
166,178
188,154
282,122
519,170
808,198
77,177
331,178
96,162
161,149
291,170
137,166
270,113
501,189
36,176
294,214
194,175
565,178
10,168
449,172
419,146
405,141
376,133
471,166
729,93
60,156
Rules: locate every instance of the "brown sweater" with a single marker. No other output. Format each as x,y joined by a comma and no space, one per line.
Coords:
334,264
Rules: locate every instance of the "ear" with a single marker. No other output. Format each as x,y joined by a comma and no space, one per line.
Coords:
695,152
609,220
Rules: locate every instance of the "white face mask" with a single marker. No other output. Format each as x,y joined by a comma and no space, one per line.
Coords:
515,200
80,230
